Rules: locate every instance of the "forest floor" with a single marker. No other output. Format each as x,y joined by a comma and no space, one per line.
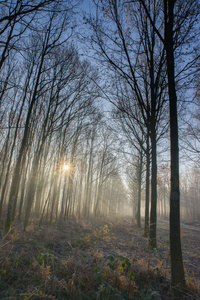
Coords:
94,259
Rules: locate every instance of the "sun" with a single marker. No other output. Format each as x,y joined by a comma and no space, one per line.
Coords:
66,167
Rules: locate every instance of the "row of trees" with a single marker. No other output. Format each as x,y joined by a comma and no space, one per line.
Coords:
57,156
55,153
189,191
144,44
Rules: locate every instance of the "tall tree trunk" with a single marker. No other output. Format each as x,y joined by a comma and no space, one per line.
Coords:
146,225
22,191
32,182
153,216
99,188
177,271
89,179
63,201
153,120
54,197
14,189
140,160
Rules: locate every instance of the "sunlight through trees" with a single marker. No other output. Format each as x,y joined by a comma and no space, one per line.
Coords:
99,115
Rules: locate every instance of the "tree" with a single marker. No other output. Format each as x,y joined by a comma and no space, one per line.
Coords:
106,167
131,50
163,189
134,132
21,16
179,19
48,39
190,194
177,271
191,131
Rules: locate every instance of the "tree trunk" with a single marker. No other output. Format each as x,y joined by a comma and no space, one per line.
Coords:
54,197
153,216
139,189
177,271
146,226
89,179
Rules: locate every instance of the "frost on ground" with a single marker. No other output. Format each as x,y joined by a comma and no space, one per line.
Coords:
94,259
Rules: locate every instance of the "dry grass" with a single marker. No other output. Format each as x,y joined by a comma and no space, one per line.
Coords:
78,259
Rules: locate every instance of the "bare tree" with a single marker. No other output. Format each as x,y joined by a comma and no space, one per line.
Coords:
46,43
179,20
132,51
20,16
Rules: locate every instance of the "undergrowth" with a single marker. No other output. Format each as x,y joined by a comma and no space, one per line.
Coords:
82,260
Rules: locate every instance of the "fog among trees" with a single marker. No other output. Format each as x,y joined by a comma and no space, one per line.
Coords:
99,120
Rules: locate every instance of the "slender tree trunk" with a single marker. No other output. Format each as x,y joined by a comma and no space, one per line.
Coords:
22,191
63,201
98,197
14,191
146,226
99,188
80,192
88,181
7,174
32,181
153,213
54,196
177,270
139,189
69,198
165,209
45,204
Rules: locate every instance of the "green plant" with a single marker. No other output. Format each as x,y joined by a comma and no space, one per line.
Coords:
81,243
46,259
102,231
121,263
156,253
